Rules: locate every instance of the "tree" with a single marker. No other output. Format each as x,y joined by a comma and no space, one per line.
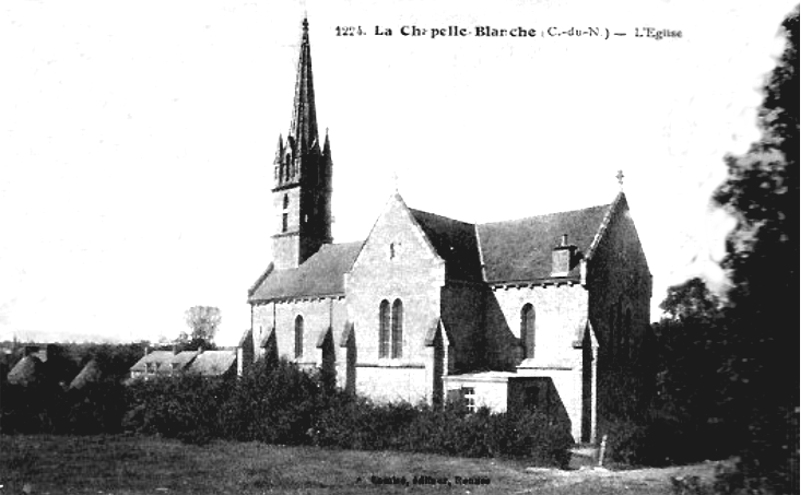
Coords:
691,300
762,194
203,322
692,346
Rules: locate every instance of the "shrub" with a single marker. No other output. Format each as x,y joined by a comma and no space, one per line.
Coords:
185,406
273,403
96,408
355,423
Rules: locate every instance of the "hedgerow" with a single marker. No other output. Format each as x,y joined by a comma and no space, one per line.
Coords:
279,403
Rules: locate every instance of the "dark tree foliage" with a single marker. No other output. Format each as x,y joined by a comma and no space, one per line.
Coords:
761,364
729,369
689,410
691,301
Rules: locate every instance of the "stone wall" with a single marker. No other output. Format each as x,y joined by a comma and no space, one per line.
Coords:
396,263
318,316
286,243
619,282
559,311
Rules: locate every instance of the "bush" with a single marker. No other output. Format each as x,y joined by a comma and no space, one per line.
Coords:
278,403
96,408
185,406
355,423
273,403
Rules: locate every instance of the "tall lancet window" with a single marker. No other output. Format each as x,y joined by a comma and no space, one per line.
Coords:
397,329
383,329
527,330
299,336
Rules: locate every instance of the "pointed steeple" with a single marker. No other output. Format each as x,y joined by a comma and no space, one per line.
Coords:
304,113
302,188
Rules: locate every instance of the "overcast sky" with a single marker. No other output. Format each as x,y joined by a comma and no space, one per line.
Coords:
137,138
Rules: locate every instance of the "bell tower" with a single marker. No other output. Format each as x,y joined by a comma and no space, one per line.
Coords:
302,188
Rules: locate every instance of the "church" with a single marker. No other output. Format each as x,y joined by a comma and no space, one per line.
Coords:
527,313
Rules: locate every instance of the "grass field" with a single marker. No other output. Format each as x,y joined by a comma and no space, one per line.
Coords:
138,465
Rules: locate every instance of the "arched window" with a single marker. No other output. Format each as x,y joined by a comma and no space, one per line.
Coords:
285,214
528,328
298,336
383,329
397,328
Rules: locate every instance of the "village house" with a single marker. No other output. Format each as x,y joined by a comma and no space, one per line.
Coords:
528,313
160,363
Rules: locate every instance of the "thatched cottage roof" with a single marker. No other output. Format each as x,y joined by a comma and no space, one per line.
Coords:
28,371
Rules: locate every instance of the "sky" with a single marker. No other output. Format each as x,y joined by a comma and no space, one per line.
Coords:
137,138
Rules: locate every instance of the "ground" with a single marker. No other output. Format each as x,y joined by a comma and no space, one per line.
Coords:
137,465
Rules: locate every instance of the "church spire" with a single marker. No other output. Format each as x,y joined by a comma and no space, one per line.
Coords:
302,193
304,113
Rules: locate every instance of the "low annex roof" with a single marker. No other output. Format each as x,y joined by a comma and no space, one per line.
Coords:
320,275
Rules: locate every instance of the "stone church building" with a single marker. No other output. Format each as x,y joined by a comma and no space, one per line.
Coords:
508,315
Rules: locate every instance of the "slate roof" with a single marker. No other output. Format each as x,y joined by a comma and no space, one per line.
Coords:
213,363
512,251
182,359
520,250
164,358
455,242
320,275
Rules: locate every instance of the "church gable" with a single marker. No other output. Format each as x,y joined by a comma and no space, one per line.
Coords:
396,244
619,282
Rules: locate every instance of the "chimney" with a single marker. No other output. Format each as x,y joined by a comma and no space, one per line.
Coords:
147,350
563,258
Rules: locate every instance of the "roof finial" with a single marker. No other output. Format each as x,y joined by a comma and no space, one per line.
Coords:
619,177
395,181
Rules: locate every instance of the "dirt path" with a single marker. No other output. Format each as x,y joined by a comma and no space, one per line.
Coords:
630,479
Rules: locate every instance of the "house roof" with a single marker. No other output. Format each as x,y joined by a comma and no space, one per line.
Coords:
90,373
27,371
213,363
320,275
182,359
520,250
155,357
455,242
